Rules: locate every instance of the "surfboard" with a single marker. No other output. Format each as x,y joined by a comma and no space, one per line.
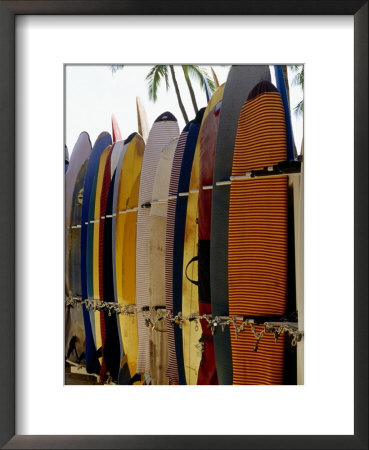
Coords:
172,370
290,363
299,243
158,218
117,150
164,129
241,79
127,187
107,332
208,137
103,140
74,330
180,179
124,371
115,155
81,152
258,236
190,298
93,257
115,208
89,262
111,343
142,122
281,86
66,158
117,135
102,189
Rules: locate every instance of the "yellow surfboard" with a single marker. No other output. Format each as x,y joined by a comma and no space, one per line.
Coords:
125,245
191,331
96,225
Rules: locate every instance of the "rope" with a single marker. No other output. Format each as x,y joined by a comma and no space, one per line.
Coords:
154,314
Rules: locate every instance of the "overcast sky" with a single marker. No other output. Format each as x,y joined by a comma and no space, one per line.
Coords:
94,93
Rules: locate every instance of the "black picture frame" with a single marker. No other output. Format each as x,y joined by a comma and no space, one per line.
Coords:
8,11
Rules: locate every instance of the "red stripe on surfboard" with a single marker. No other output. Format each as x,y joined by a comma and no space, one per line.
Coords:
103,201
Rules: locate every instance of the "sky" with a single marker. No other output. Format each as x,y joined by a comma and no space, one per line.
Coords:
93,93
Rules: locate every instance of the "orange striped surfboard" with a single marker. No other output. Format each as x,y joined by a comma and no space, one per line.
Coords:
258,236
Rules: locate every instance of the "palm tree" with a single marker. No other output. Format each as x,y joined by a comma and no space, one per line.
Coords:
116,68
201,76
154,77
159,72
299,80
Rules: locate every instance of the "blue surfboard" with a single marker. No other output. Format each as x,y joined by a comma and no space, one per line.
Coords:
281,86
103,140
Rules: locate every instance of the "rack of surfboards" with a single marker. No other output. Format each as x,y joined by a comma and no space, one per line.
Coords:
184,253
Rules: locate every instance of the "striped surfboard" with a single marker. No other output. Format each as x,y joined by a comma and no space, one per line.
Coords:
258,236
158,218
172,370
164,129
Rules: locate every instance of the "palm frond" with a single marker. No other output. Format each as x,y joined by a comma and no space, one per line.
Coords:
200,74
116,68
299,108
154,78
298,79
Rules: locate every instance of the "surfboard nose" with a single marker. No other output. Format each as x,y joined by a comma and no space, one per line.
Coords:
129,138
166,117
199,116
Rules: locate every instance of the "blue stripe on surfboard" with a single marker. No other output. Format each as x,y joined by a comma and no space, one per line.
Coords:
179,232
281,86
92,363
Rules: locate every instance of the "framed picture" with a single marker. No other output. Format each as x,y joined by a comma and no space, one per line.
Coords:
47,412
